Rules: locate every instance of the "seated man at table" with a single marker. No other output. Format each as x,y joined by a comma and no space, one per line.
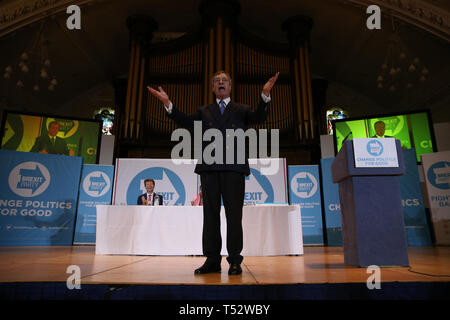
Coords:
150,197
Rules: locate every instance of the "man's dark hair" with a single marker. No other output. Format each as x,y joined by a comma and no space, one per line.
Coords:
52,123
379,122
147,180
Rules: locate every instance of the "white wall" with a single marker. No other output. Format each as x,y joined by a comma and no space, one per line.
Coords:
106,150
327,146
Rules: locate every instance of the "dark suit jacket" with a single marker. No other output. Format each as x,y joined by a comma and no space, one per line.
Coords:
160,199
236,116
44,143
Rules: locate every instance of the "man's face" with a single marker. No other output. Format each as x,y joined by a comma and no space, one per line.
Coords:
53,129
221,86
149,186
380,128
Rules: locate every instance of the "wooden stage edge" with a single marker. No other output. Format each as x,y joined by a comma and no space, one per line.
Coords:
318,265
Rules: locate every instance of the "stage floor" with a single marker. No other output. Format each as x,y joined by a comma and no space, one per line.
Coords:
318,265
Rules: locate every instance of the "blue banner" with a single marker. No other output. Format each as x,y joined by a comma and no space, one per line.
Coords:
417,230
331,204
95,188
304,189
38,198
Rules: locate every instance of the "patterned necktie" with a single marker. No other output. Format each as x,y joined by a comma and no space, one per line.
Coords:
222,106
149,198
53,141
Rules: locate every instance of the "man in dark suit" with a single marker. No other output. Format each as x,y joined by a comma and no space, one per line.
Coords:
380,128
51,143
150,198
222,179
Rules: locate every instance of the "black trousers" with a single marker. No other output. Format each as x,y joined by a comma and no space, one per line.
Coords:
229,186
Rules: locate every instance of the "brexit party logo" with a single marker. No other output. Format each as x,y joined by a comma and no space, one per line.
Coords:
96,184
439,175
167,184
304,185
375,148
258,189
29,179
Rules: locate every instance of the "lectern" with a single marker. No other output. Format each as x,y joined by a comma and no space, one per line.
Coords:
373,230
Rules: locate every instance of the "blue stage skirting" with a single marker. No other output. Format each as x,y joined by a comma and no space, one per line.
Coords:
339,291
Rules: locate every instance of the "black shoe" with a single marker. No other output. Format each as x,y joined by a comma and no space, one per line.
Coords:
235,269
207,269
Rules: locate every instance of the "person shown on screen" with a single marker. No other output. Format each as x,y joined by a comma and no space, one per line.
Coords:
380,128
51,143
198,200
150,198
222,179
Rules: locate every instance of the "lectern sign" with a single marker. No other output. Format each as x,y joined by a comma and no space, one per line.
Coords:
375,153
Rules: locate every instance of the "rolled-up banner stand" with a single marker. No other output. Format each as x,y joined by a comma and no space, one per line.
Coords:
304,189
331,205
416,225
95,189
436,168
38,198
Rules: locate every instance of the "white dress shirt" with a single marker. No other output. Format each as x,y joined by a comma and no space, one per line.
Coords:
150,196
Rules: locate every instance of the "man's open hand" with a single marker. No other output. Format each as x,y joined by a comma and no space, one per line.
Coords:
160,94
269,85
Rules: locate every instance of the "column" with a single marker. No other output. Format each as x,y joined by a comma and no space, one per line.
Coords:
298,30
219,20
141,29
319,89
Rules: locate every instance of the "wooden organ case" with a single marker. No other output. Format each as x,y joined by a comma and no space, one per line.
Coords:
184,68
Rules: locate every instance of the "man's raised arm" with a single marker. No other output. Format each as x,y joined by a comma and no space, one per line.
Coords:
162,96
269,85
261,113
179,117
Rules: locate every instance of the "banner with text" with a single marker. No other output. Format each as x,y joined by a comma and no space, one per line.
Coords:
331,204
267,182
38,198
436,169
178,184
375,152
304,189
95,188
417,229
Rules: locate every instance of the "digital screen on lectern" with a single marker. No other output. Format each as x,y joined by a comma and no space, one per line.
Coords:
413,129
34,133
